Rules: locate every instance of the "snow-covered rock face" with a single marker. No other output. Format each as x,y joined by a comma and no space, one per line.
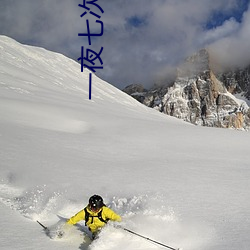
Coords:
237,81
199,97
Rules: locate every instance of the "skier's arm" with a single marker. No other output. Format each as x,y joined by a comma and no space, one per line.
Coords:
77,217
110,214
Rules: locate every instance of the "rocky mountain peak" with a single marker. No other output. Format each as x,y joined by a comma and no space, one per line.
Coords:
196,64
202,97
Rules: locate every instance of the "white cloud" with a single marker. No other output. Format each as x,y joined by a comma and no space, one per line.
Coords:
228,28
233,50
171,31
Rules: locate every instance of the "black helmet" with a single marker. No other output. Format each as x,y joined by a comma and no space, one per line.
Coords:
96,202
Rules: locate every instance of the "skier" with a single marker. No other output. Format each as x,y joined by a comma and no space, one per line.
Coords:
95,214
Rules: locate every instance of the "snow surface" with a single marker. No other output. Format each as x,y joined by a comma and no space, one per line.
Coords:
182,185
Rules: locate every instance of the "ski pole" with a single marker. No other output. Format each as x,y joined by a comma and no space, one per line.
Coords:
45,228
146,238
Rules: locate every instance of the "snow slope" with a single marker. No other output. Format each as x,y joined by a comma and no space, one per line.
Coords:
176,183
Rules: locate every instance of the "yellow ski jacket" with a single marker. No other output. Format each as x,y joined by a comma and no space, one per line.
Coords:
94,223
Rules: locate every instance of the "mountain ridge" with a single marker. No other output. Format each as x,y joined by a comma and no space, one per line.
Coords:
200,95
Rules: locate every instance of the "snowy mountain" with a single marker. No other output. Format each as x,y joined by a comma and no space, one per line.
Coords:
201,96
182,185
237,81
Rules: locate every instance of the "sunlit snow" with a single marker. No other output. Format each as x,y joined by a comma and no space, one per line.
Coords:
182,185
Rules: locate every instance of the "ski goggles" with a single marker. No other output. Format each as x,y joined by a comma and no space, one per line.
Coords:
94,208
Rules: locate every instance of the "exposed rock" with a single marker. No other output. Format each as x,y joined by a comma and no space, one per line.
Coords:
137,91
201,97
133,88
237,81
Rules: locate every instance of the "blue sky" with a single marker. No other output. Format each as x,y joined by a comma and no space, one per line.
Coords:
218,17
136,21
143,40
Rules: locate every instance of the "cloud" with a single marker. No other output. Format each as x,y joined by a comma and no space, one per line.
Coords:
143,39
45,22
228,28
233,49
